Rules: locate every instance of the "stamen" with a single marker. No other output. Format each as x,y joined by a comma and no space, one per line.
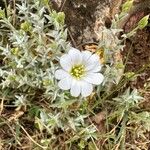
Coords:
77,71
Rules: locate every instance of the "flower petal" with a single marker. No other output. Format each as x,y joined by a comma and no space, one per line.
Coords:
75,55
94,78
65,62
92,62
86,89
60,74
65,83
93,58
86,55
96,68
75,88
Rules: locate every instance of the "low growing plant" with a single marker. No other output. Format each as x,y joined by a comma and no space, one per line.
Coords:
34,53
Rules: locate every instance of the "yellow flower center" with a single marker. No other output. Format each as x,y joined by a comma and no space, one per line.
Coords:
77,71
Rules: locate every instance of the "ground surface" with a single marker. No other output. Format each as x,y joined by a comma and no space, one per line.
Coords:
80,20
139,56
81,17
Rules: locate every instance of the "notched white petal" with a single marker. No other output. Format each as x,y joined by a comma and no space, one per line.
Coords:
75,88
92,62
94,58
94,78
86,89
96,68
60,74
75,55
86,55
65,62
65,83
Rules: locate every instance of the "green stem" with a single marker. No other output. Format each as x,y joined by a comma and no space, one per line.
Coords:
121,84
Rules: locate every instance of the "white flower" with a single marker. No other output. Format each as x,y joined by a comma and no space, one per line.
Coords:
79,73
